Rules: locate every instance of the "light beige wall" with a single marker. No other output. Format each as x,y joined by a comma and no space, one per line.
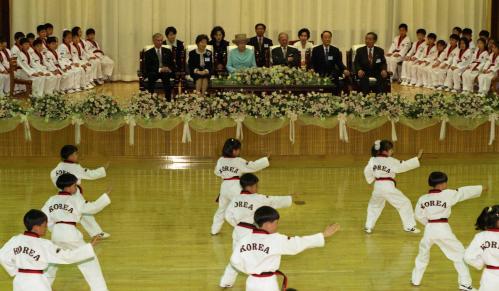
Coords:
125,26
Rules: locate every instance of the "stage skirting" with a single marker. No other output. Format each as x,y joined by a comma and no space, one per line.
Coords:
300,136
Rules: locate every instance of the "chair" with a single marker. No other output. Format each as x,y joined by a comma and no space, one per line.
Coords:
351,66
16,81
494,86
141,73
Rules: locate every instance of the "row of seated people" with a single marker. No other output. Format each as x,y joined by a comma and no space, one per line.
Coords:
454,66
74,65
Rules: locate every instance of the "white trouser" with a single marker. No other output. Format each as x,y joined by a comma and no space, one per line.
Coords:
68,237
80,80
490,280
90,74
386,191
392,66
68,80
4,84
30,282
484,81
97,64
469,78
37,85
50,84
262,284
424,75
230,274
438,77
414,74
453,79
228,190
107,66
442,235
406,70
88,221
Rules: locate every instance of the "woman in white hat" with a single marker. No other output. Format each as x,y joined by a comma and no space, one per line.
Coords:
240,57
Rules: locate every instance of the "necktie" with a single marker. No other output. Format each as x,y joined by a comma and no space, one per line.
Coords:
326,51
284,52
158,52
370,56
260,42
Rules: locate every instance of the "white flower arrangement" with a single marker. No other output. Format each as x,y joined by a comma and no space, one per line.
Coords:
322,105
472,105
148,106
51,107
427,106
277,75
9,107
98,106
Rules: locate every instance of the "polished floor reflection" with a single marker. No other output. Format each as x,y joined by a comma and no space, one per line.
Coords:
162,209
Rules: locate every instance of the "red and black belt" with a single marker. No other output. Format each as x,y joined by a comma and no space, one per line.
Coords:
232,178
246,225
492,267
440,220
28,271
387,179
276,273
66,222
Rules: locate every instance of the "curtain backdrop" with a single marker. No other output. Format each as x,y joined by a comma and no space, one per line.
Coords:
125,26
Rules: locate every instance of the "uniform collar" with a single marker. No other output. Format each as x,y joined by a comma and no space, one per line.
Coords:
382,156
64,193
260,231
246,192
433,191
69,162
30,233
493,229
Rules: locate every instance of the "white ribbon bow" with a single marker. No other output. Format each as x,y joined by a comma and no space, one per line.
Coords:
130,120
27,128
239,126
77,122
342,118
492,136
293,117
443,127
186,133
394,129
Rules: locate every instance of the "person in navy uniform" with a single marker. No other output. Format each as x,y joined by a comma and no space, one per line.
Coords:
201,64
177,46
370,62
220,46
159,65
261,44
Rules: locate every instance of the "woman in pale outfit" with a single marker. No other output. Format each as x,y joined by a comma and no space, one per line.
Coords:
201,64
240,57
303,45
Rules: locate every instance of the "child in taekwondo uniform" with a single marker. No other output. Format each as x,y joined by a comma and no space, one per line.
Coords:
68,62
490,69
478,61
240,214
52,80
27,71
460,62
440,67
93,47
424,73
483,251
64,211
382,169
69,164
398,50
26,256
415,54
433,211
230,167
428,55
51,60
259,253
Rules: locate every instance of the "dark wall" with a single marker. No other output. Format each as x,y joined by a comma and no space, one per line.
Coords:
494,24
5,20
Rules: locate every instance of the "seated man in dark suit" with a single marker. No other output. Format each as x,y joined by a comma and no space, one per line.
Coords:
327,60
177,46
285,55
370,62
159,65
261,44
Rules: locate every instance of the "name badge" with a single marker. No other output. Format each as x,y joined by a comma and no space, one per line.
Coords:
378,61
330,58
207,59
265,45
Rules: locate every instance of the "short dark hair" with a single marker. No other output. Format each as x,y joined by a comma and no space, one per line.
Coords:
66,33
19,35
326,31
375,36
37,41
403,25
483,40
421,31
265,214
215,30
432,36
248,179
48,25
30,35
34,217
90,31
484,33
229,146
441,42
200,37
2,39
66,180
304,30
488,218
51,39
23,41
465,40
68,150
457,28
437,178
262,25
467,31
384,145
74,30
454,37
40,27
170,29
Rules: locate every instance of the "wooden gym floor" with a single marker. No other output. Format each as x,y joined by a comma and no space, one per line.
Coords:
162,209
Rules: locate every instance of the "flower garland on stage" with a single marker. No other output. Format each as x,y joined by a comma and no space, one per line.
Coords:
259,113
